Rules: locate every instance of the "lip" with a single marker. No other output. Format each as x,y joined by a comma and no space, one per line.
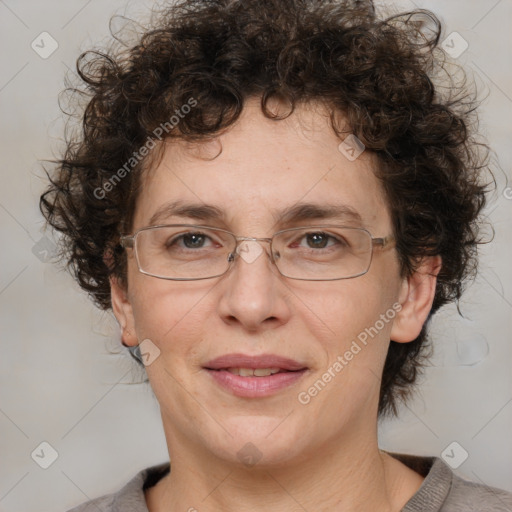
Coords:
258,361
254,387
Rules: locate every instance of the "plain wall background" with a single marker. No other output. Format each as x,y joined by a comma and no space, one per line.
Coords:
60,384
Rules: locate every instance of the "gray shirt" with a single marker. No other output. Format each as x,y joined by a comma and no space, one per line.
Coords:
441,491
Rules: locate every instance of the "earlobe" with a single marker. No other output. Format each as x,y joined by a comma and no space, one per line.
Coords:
123,312
416,297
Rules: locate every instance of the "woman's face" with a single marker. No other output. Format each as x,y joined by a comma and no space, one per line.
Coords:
265,167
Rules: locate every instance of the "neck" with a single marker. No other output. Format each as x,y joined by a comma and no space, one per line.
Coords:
349,476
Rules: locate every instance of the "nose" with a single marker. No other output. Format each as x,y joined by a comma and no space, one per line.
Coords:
252,292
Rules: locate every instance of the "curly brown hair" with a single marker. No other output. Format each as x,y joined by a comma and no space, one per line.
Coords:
377,72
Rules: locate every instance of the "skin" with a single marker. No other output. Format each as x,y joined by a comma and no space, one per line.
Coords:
322,456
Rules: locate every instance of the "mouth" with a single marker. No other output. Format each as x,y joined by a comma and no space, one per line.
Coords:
254,372
257,362
254,376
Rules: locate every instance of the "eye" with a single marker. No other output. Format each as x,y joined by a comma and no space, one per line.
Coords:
320,240
190,240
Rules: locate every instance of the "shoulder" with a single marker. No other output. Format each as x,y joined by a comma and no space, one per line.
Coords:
467,496
131,497
444,491
102,504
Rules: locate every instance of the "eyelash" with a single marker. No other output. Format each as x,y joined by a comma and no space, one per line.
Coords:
329,236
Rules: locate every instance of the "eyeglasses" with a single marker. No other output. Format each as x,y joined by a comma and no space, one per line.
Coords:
185,252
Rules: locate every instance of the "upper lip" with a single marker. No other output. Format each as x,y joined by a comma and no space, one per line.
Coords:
258,361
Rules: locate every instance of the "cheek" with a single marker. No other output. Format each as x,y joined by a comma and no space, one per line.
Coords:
168,313
348,310
348,381
359,315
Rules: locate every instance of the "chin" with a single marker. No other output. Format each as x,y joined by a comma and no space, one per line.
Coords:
259,440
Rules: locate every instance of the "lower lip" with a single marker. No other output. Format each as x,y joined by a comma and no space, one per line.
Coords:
253,387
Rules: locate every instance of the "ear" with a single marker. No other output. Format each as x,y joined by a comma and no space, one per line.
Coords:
123,312
416,297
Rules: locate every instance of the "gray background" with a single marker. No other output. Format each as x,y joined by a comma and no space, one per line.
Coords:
62,381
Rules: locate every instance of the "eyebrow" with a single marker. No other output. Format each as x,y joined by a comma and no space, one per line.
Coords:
296,213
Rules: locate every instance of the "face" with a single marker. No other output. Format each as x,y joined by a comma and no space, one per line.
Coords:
265,167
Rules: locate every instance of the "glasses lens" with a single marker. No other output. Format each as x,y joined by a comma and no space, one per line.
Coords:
323,252
183,252
311,253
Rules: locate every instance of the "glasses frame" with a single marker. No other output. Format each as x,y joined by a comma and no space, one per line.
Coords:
130,242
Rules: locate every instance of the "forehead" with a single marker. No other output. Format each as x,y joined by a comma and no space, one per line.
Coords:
266,173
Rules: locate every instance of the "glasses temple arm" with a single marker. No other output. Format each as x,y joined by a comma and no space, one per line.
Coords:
383,241
127,241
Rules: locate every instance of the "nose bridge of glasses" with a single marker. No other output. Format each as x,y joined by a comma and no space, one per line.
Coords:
253,239
252,249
